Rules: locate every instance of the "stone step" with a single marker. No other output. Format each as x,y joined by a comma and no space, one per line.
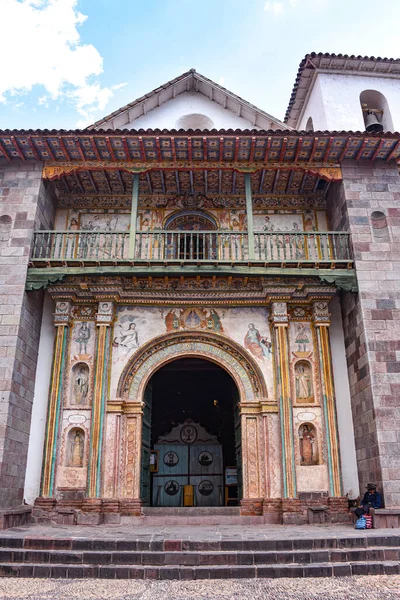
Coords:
192,511
69,571
161,520
36,542
193,558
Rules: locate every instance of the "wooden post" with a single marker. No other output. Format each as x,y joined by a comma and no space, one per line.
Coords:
249,214
103,322
322,321
61,322
134,214
280,322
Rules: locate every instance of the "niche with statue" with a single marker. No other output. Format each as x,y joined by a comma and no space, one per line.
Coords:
75,447
80,384
304,382
308,445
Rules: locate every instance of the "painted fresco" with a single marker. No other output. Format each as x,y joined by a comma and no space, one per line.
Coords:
233,219
303,366
135,326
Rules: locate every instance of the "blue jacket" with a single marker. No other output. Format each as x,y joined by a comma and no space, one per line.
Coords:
373,500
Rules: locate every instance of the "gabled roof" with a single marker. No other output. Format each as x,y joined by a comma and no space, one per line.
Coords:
333,63
191,81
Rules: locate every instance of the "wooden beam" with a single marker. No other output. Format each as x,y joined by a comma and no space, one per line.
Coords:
378,149
18,149
110,148
361,150
4,151
249,214
260,187
134,214
35,152
344,151
393,152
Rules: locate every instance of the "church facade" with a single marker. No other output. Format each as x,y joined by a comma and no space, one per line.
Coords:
200,303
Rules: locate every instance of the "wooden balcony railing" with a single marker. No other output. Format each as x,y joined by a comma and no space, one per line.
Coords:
55,248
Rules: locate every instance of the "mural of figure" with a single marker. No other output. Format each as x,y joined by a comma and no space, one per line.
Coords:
172,321
268,226
127,340
130,338
266,346
83,337
77,450
303,381
73,225
215,320
252,342
308,451
302,338
81,385
309,224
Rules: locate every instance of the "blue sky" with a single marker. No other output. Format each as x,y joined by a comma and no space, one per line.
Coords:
70,62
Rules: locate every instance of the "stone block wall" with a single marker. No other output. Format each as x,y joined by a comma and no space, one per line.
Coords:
24,205
371,319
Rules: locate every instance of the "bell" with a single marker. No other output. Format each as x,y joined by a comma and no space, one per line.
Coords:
372,123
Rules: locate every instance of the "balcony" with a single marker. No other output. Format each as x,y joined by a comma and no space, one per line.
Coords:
201,248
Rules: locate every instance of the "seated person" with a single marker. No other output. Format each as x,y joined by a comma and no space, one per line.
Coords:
371,499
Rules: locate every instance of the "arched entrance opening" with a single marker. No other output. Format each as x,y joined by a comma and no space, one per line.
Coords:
191,236
192,426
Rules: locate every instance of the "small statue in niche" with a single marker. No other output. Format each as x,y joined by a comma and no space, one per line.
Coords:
304,390
76,459
83,337
81,385
308,450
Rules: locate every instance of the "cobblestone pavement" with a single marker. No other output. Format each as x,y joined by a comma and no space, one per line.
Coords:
381,587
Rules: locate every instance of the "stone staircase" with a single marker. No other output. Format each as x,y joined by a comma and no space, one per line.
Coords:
94,557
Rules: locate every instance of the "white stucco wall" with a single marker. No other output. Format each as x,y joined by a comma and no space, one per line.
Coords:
343,403
40,400
337,97
314,109
167,115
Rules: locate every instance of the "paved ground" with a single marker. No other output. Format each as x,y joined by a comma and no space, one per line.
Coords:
344,588
197,533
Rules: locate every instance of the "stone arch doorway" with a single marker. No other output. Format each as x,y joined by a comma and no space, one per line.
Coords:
252,394
191,430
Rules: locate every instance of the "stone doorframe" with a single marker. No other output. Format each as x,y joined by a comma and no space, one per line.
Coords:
253,394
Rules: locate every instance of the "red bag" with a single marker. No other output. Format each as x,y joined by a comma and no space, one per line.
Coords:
368,519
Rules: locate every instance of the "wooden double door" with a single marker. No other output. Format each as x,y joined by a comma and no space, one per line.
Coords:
198,465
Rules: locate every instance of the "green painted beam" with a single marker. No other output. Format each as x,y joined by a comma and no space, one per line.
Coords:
39,278
134,214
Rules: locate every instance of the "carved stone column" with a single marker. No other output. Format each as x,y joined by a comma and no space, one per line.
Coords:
322,322
104,320
252,459
280,320
61,322
131,502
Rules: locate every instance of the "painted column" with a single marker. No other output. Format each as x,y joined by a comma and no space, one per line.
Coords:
102,353
134,214
280,320
322,322
249,215
252,459
61,322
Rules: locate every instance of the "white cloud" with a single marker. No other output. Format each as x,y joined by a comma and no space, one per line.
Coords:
49,53
275,7
221,80
279,7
